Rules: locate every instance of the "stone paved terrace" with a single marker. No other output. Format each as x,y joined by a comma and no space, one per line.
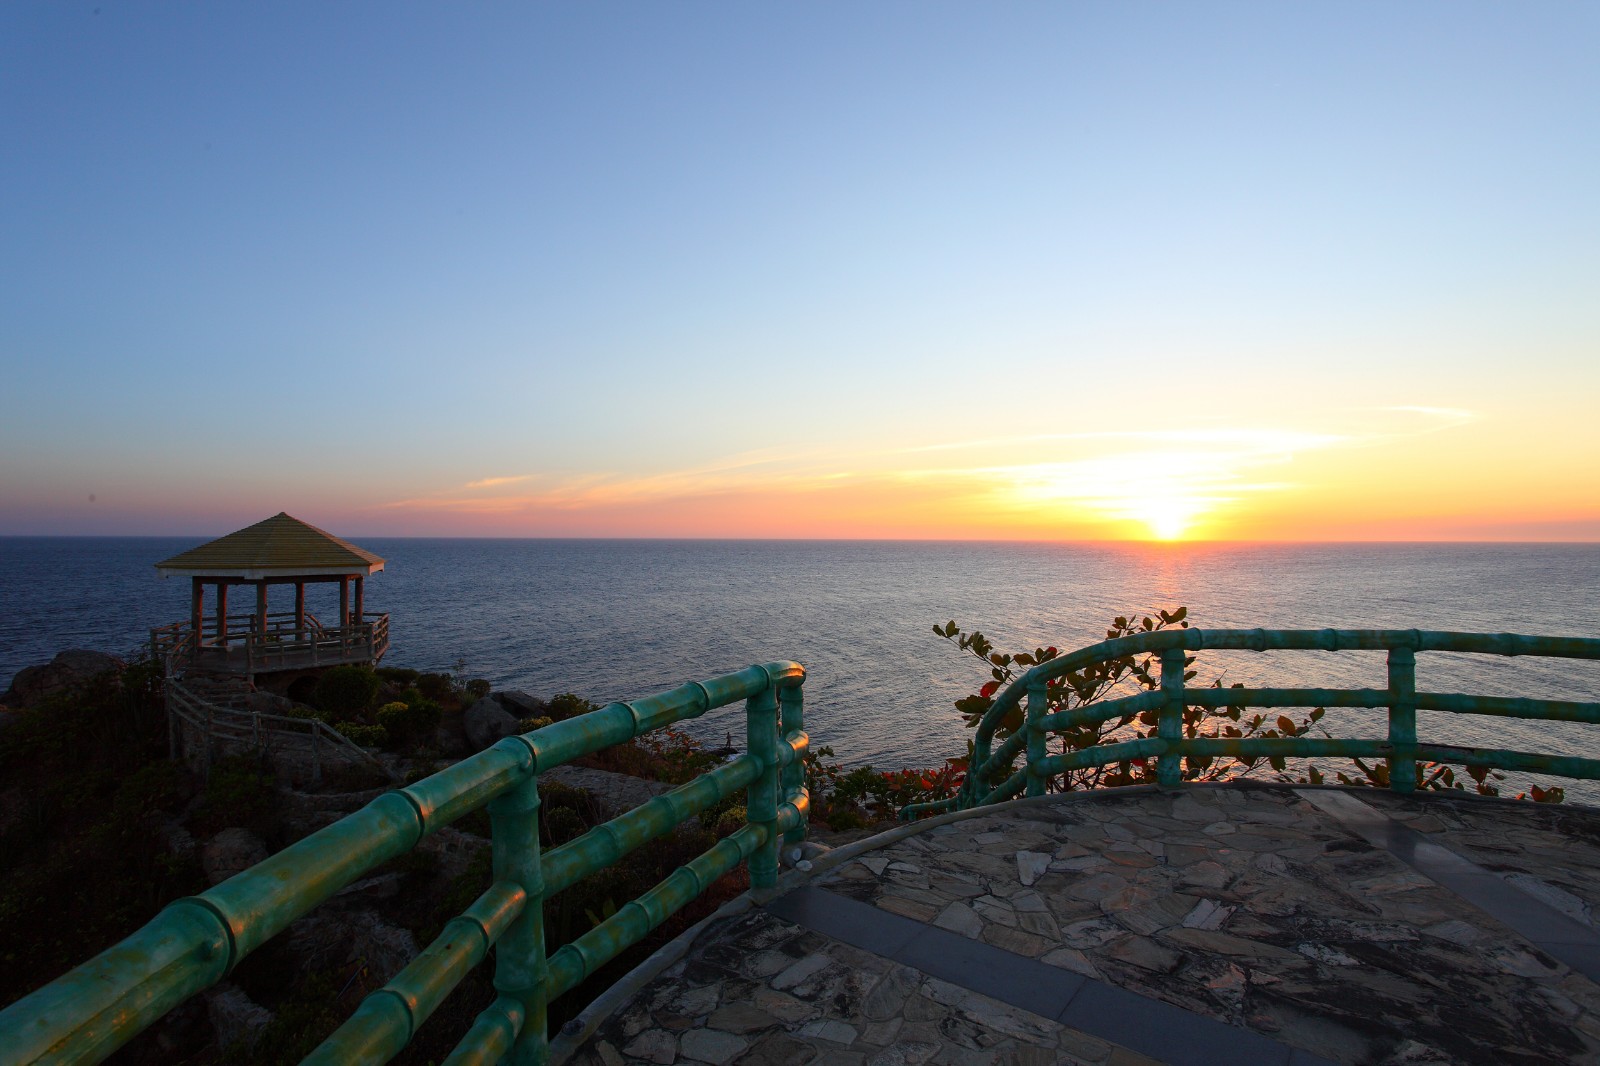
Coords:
1237,924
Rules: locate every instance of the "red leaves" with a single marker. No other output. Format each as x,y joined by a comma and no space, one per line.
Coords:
989,689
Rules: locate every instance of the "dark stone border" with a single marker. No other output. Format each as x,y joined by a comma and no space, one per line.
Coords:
1139,1023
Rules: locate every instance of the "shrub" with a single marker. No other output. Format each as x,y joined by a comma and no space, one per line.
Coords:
397,675
478,688
567,705
409,723
528,725
345,691
729,822
434,686
367,736
240,791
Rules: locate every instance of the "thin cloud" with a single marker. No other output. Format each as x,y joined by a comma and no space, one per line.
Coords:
491,482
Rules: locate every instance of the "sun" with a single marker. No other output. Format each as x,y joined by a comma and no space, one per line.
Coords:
1167,518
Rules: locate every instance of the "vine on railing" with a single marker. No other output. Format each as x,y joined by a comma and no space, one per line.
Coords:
193,943
1070,697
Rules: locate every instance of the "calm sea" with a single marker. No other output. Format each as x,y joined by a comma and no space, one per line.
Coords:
621,619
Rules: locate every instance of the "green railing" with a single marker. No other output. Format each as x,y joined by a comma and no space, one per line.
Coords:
195,942
993,776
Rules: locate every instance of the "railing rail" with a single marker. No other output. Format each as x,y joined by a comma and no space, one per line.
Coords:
993,774
193,943
283,644
231,724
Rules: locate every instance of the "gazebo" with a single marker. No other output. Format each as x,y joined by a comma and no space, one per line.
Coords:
281,550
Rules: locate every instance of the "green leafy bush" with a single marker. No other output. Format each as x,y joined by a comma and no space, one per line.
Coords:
367,736
345,691
409,723
478,688
567,705
397,675
434,686
240,791
528,725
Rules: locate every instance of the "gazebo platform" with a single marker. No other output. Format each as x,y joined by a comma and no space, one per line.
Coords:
1230,924
281,550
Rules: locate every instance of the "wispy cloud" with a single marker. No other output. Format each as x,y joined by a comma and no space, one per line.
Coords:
491,482
1166,480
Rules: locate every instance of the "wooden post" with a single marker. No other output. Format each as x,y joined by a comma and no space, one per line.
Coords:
361,600
222,613
344,601
299,610
261,607
197,607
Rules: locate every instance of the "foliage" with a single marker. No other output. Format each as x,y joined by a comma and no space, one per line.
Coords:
366,736
345,691
1123,675
478,688
434,686
567,705
528,725
409,723
240,791
1434,777
397,675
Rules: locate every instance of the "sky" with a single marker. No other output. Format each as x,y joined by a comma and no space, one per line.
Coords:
1239,271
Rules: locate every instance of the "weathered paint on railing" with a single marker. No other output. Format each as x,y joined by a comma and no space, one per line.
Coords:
1169,746
193,943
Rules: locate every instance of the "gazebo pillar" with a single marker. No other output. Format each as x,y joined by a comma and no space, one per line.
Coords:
261,608
344,601
299,608
361,600
222,614
197,607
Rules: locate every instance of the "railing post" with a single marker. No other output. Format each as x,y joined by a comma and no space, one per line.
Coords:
791,717
761,799
1038,749
521,971
1403,719
1169,720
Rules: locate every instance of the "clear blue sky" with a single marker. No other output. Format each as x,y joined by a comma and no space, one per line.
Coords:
601,268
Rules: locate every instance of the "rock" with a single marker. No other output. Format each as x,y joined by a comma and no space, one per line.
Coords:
385,948
229,852
1031,865
486,722
521,705
236,1019
68,671
653,1045
270,703
960,918
709,1045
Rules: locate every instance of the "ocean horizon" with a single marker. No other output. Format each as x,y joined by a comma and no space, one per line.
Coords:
623,618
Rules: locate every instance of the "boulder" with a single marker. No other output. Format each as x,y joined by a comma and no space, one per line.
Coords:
229,852
69,670
236,1019
486,722
269,703
521,705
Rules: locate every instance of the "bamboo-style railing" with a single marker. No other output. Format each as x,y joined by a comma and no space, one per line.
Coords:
193,943
993,776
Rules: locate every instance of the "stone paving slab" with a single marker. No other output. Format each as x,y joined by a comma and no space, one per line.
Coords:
760,991
1248,906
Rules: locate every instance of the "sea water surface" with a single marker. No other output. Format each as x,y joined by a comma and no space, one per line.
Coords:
619,619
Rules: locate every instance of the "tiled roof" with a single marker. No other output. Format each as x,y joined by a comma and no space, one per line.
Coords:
280,544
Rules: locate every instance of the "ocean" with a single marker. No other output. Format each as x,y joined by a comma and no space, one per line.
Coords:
618,619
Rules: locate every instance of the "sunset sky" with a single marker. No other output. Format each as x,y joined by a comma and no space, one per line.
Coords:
1261,271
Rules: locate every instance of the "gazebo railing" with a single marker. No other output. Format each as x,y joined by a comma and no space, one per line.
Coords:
195,942
993,776
284,644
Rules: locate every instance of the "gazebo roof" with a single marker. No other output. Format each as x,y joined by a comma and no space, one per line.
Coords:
278,547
